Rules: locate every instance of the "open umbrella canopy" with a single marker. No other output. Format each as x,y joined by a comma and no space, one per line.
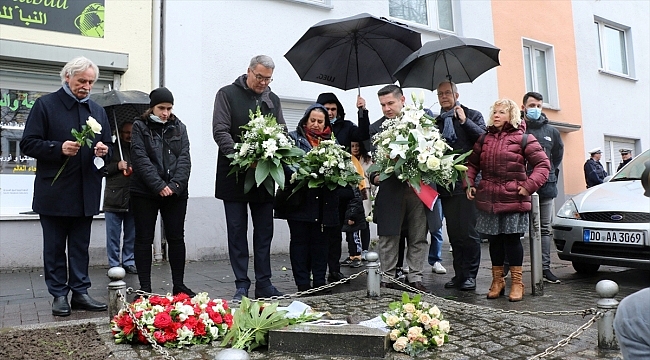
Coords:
121,106
348,53
453,58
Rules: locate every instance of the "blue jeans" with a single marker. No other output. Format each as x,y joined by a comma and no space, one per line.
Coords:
115,222
435,249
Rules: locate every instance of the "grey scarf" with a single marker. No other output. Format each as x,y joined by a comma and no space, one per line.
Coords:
448,132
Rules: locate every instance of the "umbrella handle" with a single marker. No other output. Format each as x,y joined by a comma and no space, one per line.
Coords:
117,132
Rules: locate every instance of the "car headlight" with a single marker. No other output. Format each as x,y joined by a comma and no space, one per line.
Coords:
569,210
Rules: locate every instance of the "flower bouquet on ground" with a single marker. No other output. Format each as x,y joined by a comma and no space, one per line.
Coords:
85,137
411,147
173,321
415,326
326,165
263,150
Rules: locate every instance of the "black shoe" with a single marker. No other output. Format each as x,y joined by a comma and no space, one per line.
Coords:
60,306
178,289
453,283
241,292
267,292
335,276
468,284
130,269
418,285
304,287
346,262
356,263
85,302
549,277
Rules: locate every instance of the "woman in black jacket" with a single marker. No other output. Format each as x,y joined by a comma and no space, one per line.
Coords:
315,217
160,153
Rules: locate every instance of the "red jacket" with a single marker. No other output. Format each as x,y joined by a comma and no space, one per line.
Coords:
501,162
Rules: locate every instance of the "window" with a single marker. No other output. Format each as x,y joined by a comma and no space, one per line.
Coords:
539,71
613,48
436,14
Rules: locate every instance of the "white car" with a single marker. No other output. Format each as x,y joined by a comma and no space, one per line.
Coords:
607,224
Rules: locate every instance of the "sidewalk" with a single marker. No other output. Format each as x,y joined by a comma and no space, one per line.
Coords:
24,300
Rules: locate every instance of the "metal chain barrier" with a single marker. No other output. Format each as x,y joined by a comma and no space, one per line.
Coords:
591,311
161,350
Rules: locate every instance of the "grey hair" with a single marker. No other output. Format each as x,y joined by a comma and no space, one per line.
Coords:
77,65
263,60
453,86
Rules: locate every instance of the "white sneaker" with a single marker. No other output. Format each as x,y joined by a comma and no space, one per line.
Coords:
450,249
438,268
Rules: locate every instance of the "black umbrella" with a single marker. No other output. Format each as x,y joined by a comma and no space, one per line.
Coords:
122,106
348,53
453,58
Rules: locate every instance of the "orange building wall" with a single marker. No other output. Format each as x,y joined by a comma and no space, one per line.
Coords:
549,22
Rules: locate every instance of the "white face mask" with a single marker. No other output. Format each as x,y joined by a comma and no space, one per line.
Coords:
533,113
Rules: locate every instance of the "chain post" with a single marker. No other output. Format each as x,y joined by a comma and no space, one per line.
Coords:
607,290
117,285
374,276
535,235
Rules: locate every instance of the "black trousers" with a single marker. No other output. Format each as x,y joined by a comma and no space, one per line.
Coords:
237,223
503,245
356,246
461,229
66,272
308,252
145,212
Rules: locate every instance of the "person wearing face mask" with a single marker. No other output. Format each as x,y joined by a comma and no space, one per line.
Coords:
160,153
315,219
536,123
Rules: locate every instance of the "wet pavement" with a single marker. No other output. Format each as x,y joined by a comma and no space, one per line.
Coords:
481,328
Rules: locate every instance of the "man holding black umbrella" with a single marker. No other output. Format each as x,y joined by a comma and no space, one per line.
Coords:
461,127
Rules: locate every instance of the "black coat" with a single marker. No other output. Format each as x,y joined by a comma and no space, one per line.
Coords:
161,157
550,140
116,192
466,134
231,110
77,191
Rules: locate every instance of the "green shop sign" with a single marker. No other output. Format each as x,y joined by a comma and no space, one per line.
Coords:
84,17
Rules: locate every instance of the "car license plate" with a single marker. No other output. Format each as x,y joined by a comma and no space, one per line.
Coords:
616,237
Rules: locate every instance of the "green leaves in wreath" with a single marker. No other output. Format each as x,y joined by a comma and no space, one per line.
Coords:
252,323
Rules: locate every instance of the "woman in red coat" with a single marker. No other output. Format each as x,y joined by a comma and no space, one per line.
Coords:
503,195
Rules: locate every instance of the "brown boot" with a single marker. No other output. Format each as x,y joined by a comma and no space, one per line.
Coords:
517,288
498,286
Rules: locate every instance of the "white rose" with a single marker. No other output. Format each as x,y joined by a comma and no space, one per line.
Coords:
444,326
409,308
394,334
414,333
433,163
400,344
94,125
424,318
392,320
434,311
439,340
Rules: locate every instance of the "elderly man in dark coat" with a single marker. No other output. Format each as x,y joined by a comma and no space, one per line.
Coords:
231,109
66,205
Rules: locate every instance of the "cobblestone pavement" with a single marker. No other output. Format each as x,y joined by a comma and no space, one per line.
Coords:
477,331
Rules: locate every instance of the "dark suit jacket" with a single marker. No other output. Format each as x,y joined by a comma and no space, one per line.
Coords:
77,190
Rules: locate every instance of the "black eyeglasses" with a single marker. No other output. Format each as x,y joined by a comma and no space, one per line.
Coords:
260,78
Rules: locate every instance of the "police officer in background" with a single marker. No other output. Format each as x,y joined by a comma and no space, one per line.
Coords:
626,156
594,172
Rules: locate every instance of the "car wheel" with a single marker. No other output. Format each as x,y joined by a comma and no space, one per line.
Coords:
585,268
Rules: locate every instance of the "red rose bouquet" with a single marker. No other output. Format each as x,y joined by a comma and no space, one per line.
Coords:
174,321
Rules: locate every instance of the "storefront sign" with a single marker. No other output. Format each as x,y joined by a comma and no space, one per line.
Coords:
84,17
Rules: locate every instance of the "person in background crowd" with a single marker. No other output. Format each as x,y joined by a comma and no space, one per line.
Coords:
66,205
626,157
232,105
594,172
314,219
344,131
460,126
359,241
117,208
503,195
160,153
549,138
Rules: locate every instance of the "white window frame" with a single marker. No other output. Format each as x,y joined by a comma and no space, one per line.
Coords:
552,101
432,13
319,3
603,66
